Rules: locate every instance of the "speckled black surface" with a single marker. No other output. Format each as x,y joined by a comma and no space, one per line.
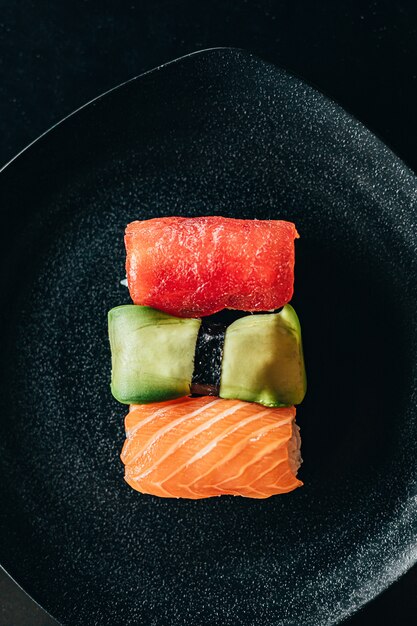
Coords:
218,132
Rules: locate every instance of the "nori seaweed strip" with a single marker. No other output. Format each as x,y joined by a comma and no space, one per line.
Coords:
209,350
208,358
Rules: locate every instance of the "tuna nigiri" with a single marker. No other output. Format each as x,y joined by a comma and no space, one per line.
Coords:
193,267
203,447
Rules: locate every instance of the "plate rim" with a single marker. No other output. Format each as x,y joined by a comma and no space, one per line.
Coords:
102,94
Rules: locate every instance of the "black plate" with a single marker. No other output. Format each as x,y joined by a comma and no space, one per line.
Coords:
216,132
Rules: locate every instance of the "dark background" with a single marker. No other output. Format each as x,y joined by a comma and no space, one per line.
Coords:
55,56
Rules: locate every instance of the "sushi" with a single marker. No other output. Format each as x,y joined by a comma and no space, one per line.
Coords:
204,447
209,357
194,354
193,267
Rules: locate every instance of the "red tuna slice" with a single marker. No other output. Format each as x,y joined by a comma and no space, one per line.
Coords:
192,267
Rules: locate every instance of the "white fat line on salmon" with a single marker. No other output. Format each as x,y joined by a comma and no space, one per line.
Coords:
280,489
190,435
162,431
269,469
262,453
198,455
223,485
269,485
130,440
240,446
237,449
142,422
237,490
274,488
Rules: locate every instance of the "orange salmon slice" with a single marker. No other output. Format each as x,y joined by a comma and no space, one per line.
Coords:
204,447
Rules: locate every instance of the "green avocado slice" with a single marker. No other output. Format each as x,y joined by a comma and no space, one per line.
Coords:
263,360
152,354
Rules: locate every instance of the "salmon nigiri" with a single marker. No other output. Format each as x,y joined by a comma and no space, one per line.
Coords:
196,266
206,446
